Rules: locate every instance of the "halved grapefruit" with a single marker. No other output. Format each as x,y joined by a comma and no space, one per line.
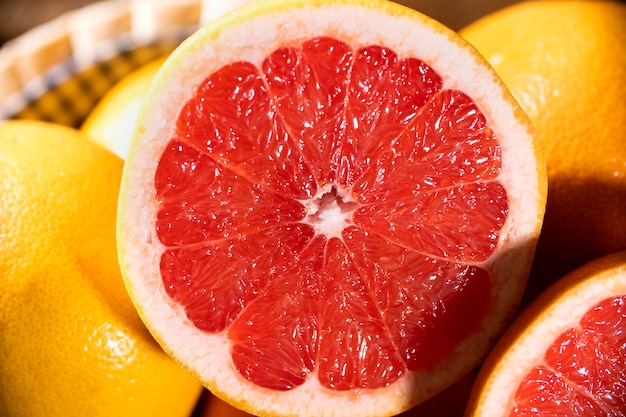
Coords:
565,355
328,208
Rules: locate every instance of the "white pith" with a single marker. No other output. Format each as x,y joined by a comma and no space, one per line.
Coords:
408,34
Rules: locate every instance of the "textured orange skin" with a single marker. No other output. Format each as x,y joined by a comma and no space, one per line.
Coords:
564,62
71,343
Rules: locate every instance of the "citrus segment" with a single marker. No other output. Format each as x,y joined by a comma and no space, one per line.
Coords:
327,213
565,355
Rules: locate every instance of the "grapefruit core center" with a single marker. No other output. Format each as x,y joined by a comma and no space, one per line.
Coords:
331,212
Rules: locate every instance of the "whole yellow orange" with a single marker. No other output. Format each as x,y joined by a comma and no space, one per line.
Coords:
71,343
564,61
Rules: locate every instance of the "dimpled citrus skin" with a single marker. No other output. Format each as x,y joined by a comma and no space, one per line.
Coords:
71,343
564,61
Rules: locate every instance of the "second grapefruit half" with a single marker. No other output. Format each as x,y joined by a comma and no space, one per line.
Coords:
328,208
565,355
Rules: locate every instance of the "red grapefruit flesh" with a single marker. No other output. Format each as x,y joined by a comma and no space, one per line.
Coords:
357,248
343,223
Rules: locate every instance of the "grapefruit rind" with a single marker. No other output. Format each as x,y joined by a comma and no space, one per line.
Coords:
559,308
250,34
